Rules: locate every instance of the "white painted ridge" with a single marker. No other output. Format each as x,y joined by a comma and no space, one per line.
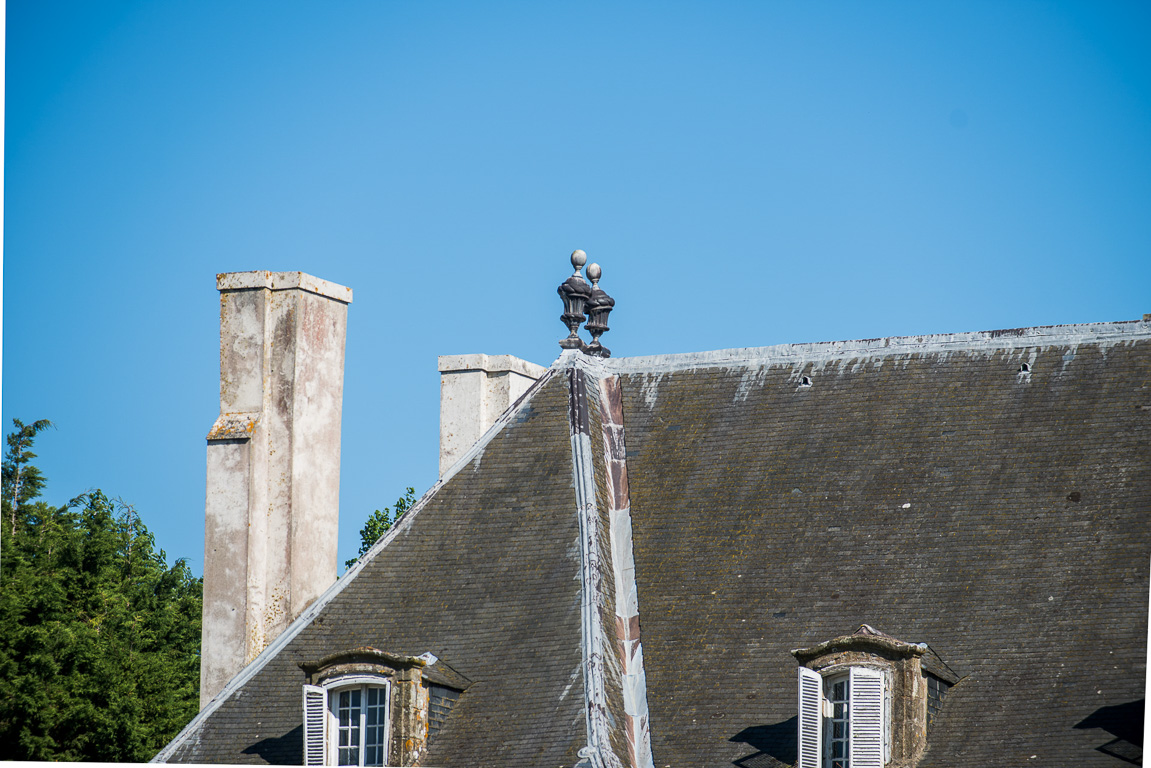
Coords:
1104,334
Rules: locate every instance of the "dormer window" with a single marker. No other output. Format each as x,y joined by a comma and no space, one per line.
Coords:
366,707
357,719
844,720
362,721
863,700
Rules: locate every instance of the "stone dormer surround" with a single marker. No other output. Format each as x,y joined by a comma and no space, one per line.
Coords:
410,678
902,664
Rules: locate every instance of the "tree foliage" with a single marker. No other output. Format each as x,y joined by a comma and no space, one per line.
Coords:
99,638
380,522
21,481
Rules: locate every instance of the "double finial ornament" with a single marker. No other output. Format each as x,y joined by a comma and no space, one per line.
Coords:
579,297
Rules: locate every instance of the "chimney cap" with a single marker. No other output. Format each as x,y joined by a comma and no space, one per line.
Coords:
282,281
489,364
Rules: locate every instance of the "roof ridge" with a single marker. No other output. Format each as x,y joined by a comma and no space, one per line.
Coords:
1007,339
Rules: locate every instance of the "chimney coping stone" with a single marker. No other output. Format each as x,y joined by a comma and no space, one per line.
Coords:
282,281
490,364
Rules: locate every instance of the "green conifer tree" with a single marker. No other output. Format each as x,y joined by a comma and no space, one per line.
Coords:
20,482
99,638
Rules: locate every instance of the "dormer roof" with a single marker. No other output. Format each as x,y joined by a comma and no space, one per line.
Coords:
866,639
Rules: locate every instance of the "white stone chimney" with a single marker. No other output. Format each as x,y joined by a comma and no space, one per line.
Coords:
273,489
474,391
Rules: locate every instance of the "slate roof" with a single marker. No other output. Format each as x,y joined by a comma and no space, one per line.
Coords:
926,486
485,575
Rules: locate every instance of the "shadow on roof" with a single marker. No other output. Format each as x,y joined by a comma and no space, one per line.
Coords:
1125,723
280,750
775,745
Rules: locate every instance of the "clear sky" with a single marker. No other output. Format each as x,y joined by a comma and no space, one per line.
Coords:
746,173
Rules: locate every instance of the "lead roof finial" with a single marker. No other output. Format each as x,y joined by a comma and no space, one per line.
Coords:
575,292
579,258
599,306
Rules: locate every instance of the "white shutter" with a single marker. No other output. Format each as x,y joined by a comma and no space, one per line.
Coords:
315,724
866,722
810,718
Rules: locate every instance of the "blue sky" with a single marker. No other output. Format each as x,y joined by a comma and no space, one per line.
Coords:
746,173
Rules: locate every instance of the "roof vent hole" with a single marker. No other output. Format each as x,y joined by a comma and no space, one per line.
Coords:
1025,368
805,381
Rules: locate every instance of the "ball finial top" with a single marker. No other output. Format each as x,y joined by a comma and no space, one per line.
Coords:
594,273
579,258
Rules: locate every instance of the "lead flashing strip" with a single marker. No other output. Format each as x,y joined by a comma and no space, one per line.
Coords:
312,611
597,753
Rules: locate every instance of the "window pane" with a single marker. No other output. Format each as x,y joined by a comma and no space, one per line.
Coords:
837,734
361,722
374,746
348,727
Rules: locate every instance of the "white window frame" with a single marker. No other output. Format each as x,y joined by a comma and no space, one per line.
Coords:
321,730
869,703
829,682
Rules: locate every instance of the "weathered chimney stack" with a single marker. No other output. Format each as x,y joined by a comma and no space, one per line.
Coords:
474,391
273,490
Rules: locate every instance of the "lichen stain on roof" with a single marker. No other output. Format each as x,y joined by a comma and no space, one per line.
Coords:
751,378
649,388
991,563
